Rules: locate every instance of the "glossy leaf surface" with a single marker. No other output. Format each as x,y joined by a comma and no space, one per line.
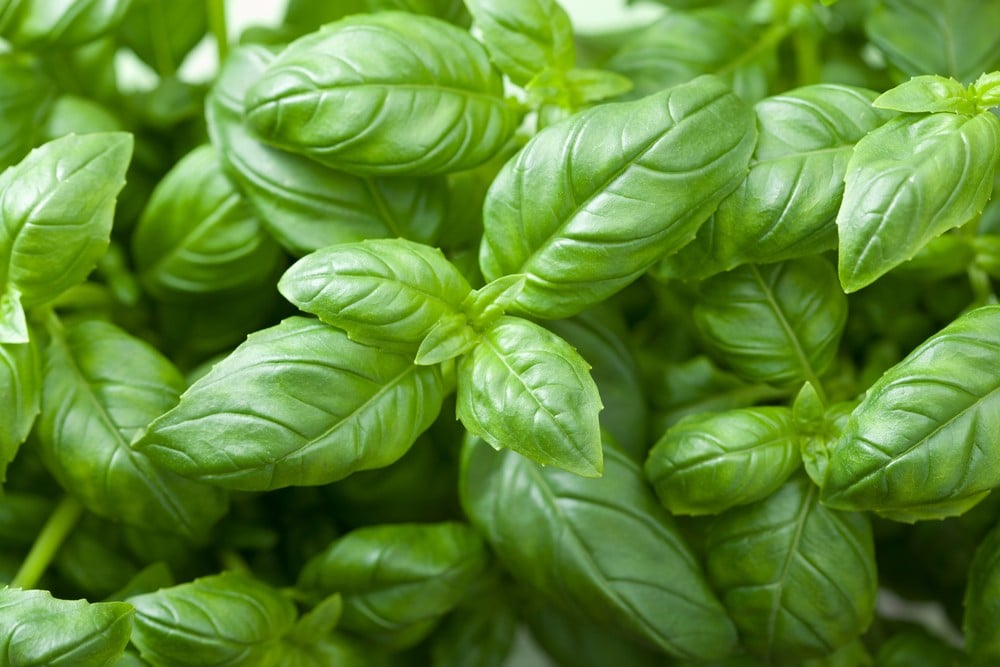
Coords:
598,546
776,323
101,388
919,445
297,404
524,388
413,111
797,578
589,204
707,463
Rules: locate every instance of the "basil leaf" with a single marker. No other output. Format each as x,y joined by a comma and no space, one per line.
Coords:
597,546
224,619
591,203
929,93
163,32
398,580
197,235
453,11
329,650
56,210
391,69
917,445
20,395
38,629
101,387
707,463
479,633
60,24
303,204
296,404
524,388
950,37
787,205
980,621
908,181
797,578
525,37
915,648
776,323
25,99
385,292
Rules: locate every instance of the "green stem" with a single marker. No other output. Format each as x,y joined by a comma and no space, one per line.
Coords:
217,21
807,60
162,52
62,520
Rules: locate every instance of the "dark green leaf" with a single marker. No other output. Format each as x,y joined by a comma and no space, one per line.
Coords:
101,387
397,580
221,620
597,546
914,648
591,203
413,112
479,633
20,394
919,445
297,404
37,630
707,463
981,622
776,323
797,578
524,388
908,181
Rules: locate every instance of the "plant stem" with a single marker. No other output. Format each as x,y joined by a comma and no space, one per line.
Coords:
807,60
217,21
54,533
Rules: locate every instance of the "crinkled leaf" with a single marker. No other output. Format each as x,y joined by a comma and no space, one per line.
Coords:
38,630
303,204
60,24
197,235
296,404
597,546
397,580
908,181
591,203
777,323
412,111
797,578
222,620
948,37
787,205
101,387
525,37
707,463
384,292
56,210
25,98
524,388
921,443
20,396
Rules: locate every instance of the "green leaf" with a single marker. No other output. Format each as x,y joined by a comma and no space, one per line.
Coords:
797,578
591,203
987,90
453,11
413,112
397,580
39,630
915,648
908,181
479,633
776,323
163,32
101,387
319,621
450,337
197,235
929,93
225,619
335,649
384,292
586,86
525,37
524,388
919,445
20,396
981,621
60,24
56,210
25,98
949,37
787,205
296,404
303,204
596,546
707,463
